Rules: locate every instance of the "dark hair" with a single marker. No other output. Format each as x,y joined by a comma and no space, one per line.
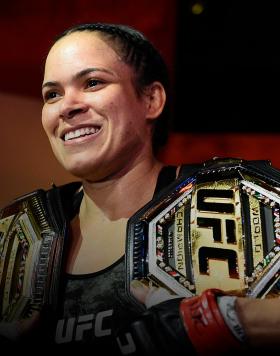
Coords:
138,52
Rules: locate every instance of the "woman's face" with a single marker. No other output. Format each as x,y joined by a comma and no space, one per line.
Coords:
96,123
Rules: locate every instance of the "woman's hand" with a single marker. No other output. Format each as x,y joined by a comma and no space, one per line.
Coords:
150,295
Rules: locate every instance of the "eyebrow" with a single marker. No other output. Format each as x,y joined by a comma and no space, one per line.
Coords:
79,75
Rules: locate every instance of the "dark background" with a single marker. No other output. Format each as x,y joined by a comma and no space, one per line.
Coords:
223,58
223,62
227,66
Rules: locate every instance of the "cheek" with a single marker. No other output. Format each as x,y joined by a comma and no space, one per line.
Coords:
48,121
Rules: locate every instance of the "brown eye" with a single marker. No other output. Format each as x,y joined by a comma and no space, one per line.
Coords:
50,95
91,83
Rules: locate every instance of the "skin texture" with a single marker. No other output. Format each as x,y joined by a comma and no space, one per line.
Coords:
105,99
87,85
261,320
113,160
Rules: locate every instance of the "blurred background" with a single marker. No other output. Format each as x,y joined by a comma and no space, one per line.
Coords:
223,58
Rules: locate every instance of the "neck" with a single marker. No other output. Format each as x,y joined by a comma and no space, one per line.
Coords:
121,195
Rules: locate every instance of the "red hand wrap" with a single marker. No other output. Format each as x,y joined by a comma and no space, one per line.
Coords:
205,325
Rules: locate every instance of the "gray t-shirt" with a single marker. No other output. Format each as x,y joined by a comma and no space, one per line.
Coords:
96,312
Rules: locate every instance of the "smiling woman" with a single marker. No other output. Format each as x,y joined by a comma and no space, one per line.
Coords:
66,252
96,91
105,115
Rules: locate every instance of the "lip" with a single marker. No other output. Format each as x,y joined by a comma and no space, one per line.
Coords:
77,127
80,139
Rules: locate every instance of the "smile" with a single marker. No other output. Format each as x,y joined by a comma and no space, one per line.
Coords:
85,131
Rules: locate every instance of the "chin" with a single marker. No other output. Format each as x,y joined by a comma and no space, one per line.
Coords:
76,164
84,170
79,171
76,168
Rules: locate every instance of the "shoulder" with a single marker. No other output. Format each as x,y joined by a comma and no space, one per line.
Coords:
63,195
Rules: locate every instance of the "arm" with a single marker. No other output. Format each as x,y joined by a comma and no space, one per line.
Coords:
261,321
186,326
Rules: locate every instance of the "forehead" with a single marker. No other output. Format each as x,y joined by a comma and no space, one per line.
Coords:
80,50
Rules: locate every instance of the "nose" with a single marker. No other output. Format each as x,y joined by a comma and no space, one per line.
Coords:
72,105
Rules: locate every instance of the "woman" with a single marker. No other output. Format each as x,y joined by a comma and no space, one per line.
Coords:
102,98
105,115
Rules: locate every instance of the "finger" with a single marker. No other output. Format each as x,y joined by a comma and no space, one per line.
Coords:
139,290
158,295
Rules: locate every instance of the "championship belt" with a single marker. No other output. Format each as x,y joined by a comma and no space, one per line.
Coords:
217,226
30,251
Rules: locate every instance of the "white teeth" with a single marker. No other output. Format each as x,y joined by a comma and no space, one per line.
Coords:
80,132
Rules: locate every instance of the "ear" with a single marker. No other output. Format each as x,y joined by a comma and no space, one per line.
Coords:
155,97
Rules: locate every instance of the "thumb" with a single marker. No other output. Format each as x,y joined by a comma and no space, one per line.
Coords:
158,295
139,290
150,295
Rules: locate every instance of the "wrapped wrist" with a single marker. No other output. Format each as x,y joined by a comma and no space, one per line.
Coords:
206,326
226,305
